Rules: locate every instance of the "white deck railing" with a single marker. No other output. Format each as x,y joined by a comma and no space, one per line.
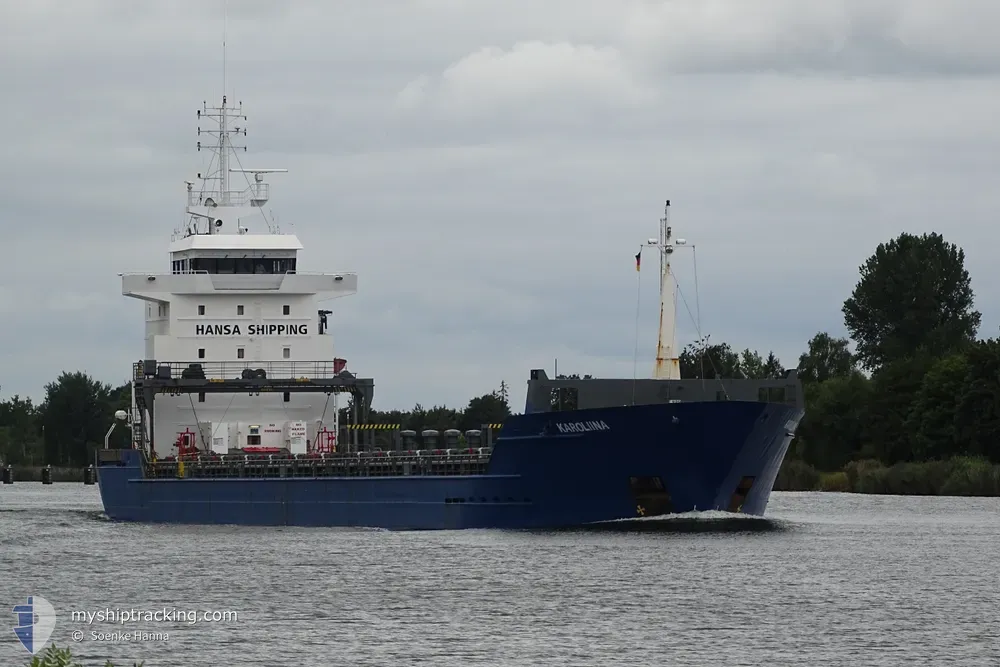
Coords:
257,191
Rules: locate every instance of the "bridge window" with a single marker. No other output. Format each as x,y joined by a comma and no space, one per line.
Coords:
243,265
286,310
239,310
564,398
201,310
771,394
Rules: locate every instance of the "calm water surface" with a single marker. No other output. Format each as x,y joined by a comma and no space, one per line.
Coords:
829,579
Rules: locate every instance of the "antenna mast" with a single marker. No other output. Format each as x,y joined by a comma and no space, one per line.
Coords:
225,25
216,202
223,118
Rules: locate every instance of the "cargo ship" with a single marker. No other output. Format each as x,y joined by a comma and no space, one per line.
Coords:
236,403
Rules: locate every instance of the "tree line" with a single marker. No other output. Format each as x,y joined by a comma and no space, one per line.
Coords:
65,428
918,384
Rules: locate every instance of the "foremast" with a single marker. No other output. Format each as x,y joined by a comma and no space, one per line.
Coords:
667,359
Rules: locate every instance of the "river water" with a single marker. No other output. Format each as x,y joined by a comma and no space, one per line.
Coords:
831,579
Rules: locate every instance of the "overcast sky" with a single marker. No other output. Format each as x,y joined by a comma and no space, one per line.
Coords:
489,169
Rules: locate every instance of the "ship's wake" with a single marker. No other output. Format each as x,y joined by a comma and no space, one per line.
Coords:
688,522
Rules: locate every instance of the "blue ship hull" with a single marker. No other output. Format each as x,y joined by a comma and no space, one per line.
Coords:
545,472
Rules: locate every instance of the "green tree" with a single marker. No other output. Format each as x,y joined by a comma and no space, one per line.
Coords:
755,367
832,431
773,368
486,409
932,414
914,294
63,657
20,437
416,419
442,418
709,362
826,358
74,417
888,434
752,364
978,411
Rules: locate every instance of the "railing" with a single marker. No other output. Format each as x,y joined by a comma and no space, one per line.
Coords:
162,273
236,197
293,272
472,461
239,370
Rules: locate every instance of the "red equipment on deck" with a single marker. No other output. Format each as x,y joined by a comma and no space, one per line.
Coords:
326,442
186,444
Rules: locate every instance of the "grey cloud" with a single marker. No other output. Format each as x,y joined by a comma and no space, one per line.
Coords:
493,227
856,37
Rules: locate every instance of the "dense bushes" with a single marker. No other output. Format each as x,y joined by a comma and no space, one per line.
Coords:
959,476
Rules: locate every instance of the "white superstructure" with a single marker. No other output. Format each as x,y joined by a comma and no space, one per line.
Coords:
232,299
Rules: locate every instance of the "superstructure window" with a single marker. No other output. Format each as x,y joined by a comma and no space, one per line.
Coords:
201,310
286,310
239,353
243,265
201,397
771,394
288,396
201,353
286,353
239,310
